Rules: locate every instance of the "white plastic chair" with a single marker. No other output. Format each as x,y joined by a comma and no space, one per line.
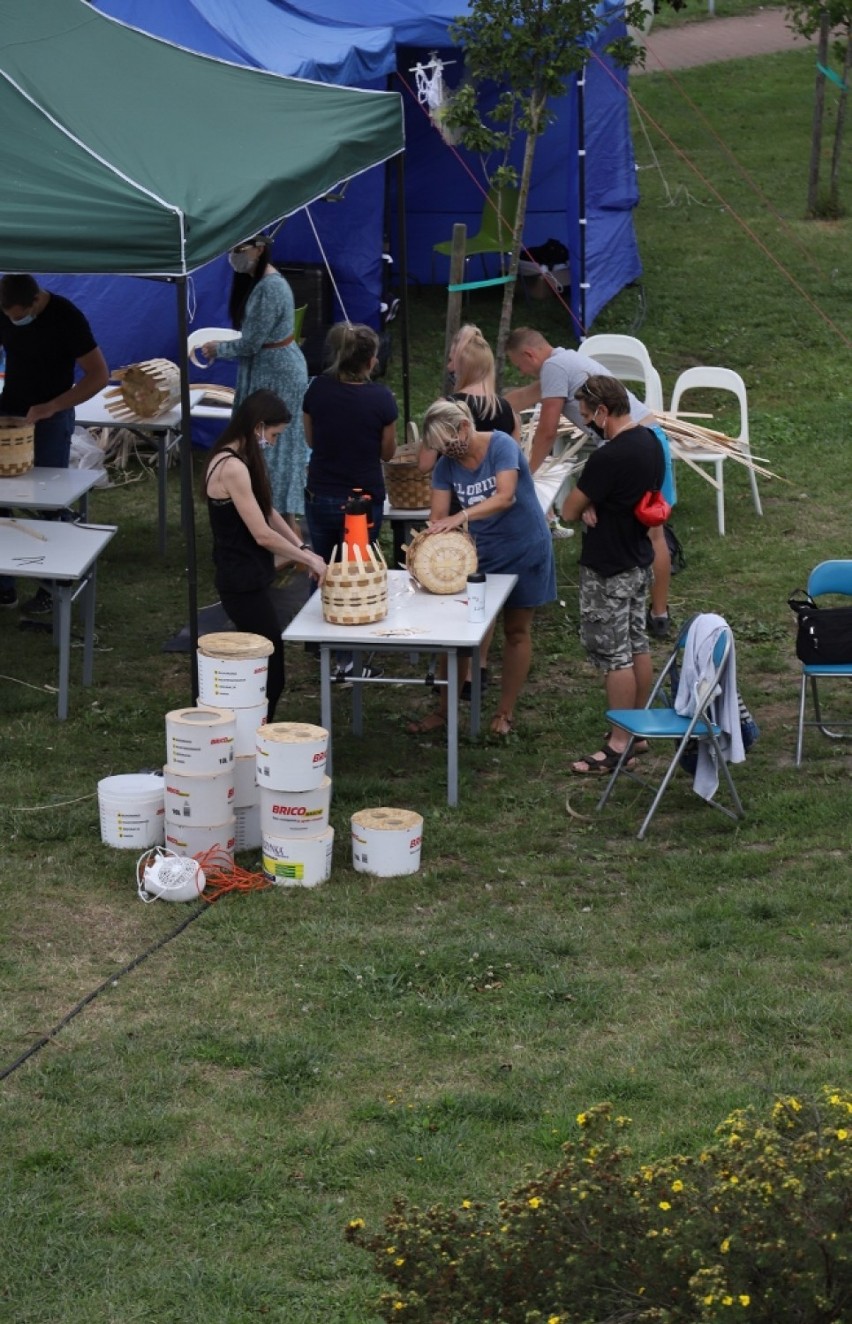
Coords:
629,361
716,379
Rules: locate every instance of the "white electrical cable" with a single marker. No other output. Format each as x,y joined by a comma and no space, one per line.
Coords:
162,875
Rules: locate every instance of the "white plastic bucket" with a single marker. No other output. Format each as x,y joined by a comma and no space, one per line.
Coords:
248,720
198,800
294,813
297,861
200,741
232,669
132,810
186,840
291,756
386,842
245,786
247,830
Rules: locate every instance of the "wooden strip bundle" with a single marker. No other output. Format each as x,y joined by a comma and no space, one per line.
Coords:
686,437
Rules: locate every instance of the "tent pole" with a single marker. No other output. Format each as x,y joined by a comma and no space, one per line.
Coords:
581,191
402,244
187,500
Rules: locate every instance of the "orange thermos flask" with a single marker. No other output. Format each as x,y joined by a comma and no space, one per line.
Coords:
357,520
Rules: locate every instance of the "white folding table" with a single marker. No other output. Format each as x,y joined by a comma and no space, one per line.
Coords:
49,489
416,621
66,556
163,431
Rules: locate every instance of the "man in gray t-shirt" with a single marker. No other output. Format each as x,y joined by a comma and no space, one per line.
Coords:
560,373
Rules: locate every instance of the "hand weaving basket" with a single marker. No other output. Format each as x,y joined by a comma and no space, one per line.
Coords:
355,589
407,487
16,446
145,389
441,562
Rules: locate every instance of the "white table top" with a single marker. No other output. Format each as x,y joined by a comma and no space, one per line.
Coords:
414,618
50,549
47,489
94,414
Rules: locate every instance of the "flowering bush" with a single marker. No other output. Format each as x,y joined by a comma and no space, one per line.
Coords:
756,1228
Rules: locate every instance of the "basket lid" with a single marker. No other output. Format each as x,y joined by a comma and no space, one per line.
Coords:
234,643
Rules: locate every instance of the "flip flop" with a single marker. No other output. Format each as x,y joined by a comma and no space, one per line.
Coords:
595,766
426,726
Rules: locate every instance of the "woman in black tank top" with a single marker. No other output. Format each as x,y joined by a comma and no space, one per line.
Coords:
250,537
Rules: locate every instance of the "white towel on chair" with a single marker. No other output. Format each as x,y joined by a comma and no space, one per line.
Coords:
695,677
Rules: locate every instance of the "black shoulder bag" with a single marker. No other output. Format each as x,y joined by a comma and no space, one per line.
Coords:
824,636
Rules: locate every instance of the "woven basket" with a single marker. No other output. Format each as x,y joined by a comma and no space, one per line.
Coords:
441,562
145,389
16,447
407,487
355,589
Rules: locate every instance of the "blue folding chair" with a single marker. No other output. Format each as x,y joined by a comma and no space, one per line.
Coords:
827,577
659,721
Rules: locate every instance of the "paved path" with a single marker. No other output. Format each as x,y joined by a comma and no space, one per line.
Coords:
715,39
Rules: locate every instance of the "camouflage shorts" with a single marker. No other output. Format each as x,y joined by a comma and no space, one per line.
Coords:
612,616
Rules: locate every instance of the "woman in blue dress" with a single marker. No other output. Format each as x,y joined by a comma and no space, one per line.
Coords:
268,358
491,479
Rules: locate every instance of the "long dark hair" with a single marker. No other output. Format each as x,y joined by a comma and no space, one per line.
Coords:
261,407
244,282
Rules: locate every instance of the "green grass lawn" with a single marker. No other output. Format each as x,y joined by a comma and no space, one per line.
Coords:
190,1147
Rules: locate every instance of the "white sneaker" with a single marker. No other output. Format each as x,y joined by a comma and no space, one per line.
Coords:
558,530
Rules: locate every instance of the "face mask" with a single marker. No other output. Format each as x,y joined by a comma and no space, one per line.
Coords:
23,321
455,448
262,441
242,262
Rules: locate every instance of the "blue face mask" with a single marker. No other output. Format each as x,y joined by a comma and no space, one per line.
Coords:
23,321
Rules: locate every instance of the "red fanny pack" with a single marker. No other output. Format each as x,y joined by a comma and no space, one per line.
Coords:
652,509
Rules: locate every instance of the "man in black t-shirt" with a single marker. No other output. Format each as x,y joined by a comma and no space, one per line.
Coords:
615,562
46,339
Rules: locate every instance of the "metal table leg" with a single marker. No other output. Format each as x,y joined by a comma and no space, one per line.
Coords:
452,727
325,697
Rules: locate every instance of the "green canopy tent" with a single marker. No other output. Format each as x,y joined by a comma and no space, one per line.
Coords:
123,154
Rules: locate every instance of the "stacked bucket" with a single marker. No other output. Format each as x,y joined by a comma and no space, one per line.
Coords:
295,793
232,668
198,780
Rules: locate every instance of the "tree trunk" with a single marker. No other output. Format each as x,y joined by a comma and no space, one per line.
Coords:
536,113
819,112
834,185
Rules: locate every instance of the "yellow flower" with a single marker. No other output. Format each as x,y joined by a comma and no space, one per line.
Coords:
466,1204
553,1319
677,1185
727,1300
534,1202
708,1300
664,1204
842,1135
582,1119
356,1222
399,1261
744,1299
399,1305
725,1246
390,1250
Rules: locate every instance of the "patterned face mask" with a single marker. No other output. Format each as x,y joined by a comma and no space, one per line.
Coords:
242,261
455,448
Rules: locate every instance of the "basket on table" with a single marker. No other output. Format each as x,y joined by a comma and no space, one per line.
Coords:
144,389
407,487
17,446
355,588
441,562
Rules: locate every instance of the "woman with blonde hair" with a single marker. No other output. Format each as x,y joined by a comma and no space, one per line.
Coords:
487,472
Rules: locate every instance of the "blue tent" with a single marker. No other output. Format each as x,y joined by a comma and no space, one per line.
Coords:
322,40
